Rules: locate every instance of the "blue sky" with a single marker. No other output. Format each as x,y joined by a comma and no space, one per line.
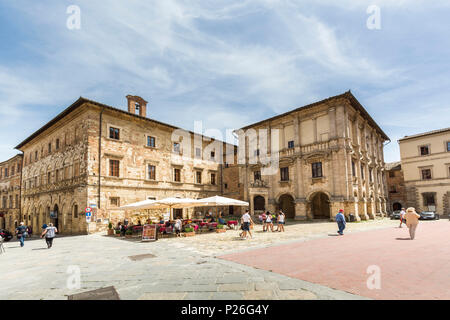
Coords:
228,63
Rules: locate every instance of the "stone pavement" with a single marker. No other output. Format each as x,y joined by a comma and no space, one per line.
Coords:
180,268
417,269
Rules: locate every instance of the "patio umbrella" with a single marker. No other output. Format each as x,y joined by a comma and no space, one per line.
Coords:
172,203
137,205
218,201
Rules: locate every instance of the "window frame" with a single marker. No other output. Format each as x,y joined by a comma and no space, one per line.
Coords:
112,168
284,173
317,170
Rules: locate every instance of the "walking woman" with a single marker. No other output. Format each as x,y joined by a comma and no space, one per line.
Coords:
280,222
269,223
49,234
21,232
412,220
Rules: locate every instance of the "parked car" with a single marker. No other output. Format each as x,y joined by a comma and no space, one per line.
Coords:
395,215
428,215
6,235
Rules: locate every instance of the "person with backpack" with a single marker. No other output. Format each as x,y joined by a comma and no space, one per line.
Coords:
21,232
49,234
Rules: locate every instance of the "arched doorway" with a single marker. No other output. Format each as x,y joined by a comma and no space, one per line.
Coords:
287,205
320,206
397,206
54,219
259,204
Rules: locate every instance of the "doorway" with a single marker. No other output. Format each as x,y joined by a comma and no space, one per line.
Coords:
287,205
320,206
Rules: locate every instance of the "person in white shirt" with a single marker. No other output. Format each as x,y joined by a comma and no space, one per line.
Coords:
402,219
269,223
280,221
246,221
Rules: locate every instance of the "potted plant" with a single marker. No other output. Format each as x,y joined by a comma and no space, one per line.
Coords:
189,232
220,228
110,229
117,233
128,233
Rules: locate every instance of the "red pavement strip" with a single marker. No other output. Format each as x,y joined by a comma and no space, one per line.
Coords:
417,269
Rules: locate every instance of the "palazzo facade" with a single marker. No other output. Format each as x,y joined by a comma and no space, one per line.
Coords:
103,157
330,157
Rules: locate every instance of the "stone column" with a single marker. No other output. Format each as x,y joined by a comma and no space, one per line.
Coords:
300,210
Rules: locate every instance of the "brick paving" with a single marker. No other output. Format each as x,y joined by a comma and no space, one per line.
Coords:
180,268
417,269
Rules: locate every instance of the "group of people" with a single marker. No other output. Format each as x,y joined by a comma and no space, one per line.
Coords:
48,232
267,220
409,217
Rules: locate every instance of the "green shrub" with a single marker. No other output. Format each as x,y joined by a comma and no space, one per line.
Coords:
188,229
110,226
117,231
129,232
220,226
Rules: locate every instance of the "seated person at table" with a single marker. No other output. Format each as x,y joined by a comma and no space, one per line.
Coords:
220,220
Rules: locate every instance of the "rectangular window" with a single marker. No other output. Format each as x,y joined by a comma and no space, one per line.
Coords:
49,148
114,168
35,155
213,179
426,174
428,199
176,147
257,153
290,144
448,145
198,152
177,175
198,177
393,189
353,169
424,150
151,142
6,172
76,169
257,175
57,144
114,133
151,172
114,201
213,155
316,169
17,201
362,171
370,175
49,177
391,174
284,174
226,185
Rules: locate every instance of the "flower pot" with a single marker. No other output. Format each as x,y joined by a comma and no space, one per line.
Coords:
128,236
220,230
189,234
117,234
110,232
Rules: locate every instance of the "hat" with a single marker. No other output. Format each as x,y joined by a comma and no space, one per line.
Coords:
341,210
411,209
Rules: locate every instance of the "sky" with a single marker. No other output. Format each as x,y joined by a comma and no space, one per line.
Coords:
228,63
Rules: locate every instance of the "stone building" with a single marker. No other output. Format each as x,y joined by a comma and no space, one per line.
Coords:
330,156
10,171
425,161
396,186
96,155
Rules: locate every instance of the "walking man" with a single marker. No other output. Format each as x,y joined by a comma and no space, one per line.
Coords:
340,219
412,220
402,217
246,220
49,234
21,232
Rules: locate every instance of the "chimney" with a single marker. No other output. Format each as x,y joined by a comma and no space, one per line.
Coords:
137,105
